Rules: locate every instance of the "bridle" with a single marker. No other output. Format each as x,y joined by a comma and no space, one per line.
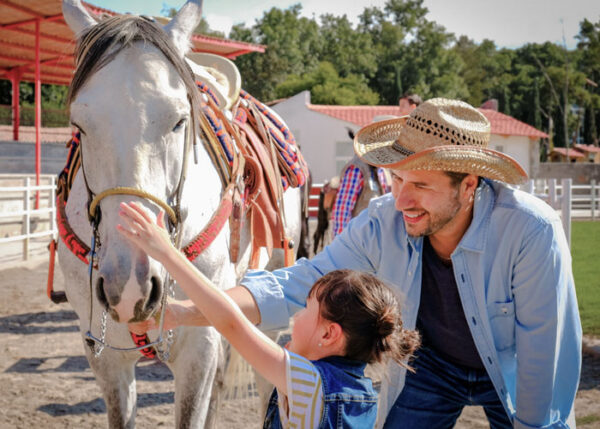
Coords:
97,344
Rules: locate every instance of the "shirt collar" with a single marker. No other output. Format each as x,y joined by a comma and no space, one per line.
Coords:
475,237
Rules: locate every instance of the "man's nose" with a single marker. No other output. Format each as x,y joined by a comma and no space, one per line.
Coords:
404,198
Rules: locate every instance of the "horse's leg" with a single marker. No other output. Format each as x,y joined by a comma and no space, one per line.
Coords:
197,356
115,374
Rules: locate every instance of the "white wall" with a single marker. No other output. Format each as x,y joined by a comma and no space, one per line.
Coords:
521,148
316,134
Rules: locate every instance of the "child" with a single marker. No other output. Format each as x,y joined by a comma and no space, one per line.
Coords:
351,319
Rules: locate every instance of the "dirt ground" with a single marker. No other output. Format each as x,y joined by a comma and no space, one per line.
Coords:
45,380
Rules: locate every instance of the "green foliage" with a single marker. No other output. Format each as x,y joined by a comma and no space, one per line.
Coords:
586,271
292,48
328,87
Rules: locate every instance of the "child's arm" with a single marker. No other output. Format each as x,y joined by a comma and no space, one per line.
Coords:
219,309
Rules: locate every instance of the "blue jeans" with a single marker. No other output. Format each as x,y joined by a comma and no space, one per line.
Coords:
434,396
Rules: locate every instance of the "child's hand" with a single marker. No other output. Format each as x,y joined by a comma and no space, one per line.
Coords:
140,230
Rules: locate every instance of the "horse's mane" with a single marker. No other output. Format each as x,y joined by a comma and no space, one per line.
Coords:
100,44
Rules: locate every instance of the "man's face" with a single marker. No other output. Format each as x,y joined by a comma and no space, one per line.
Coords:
428,200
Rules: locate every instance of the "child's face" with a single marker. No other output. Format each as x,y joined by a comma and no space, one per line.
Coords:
306,334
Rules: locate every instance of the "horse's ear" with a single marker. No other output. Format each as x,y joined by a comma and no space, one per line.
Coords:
76,16
181,27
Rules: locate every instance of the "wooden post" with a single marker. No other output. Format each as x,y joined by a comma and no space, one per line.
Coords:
552,193
566,207
593,197
26,228
530,186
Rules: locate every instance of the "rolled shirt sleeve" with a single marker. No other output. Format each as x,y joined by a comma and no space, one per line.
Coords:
281,293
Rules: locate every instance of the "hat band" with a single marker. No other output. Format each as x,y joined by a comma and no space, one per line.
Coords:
403,151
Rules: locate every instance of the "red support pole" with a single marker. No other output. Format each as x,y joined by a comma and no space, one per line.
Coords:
38,113
15,79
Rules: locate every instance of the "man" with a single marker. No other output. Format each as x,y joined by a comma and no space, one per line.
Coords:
484,271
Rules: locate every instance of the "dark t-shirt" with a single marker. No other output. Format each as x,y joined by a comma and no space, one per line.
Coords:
441,319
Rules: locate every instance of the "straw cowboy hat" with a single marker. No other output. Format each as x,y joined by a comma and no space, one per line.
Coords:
219,73
440,134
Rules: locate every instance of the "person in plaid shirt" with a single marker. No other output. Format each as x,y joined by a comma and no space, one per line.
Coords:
350,199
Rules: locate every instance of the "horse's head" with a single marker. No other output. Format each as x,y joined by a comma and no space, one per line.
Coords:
133,100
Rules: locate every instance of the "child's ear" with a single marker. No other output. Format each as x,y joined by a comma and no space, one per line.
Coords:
332,334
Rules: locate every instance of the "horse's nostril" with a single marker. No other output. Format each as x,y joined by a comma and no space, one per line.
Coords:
100,293
155,293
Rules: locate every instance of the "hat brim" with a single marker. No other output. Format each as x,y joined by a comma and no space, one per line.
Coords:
374,145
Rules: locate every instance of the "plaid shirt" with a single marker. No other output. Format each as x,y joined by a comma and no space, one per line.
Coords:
350,188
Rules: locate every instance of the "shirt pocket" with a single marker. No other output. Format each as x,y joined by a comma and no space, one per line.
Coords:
502,321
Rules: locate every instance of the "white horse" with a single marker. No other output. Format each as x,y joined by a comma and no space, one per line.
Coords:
133,112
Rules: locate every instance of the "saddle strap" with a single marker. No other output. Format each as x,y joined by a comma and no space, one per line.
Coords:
212,228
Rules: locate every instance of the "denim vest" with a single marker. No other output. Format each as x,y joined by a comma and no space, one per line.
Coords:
349,398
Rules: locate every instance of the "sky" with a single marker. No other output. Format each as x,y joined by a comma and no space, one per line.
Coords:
509,23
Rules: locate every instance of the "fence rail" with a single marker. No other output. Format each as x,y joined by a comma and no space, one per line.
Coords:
19,217
573,201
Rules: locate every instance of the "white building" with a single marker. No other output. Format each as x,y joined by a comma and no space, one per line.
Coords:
322,133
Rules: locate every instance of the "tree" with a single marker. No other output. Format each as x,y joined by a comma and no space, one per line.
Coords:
350,51
412,51
292,47
328,87
589,65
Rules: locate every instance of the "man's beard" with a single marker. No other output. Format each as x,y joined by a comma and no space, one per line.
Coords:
440,219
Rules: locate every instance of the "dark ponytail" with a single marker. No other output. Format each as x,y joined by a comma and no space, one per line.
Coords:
369,315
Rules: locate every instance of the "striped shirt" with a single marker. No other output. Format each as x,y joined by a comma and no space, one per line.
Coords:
350,188
303,406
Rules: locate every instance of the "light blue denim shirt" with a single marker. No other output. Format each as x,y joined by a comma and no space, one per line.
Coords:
513,272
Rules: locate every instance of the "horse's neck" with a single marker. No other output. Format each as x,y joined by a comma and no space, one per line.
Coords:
201,197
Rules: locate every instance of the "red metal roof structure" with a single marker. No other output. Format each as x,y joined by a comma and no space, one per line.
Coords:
20,19
501,124
37,45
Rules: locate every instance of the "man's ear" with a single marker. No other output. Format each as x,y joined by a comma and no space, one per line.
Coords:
469,184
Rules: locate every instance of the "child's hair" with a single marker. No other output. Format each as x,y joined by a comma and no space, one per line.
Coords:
369,315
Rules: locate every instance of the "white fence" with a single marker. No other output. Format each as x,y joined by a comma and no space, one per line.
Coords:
20,221
573,201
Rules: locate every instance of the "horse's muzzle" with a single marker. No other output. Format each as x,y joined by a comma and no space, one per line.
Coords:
143,309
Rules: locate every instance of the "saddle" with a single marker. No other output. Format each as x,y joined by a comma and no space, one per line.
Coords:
272,163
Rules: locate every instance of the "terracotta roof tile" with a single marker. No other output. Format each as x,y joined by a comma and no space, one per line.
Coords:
587,148
507,125
359,115
362,115
573,153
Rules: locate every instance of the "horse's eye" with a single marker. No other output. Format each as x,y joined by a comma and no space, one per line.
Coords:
179,124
